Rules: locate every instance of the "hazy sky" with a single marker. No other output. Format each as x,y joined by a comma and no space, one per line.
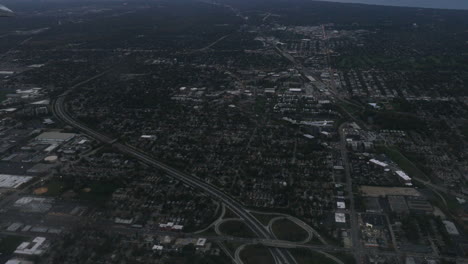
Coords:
452,4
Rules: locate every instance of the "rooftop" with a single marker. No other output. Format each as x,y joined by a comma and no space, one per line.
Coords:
55,136
340,218
35,247
13,181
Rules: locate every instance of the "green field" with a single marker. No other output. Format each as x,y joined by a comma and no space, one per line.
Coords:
345,257
98,192
209,232
264,218
232,246
306,256
237,229
94,192
230,214
285,229
256,254
394,120
56,187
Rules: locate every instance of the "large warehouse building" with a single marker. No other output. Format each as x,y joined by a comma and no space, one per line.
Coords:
50,137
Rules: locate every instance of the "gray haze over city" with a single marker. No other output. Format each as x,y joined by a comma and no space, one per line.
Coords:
447,4
439,4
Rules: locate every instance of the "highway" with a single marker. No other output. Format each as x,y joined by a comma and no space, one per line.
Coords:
281,255
354,230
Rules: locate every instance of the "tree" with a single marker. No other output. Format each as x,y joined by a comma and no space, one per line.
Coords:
189,249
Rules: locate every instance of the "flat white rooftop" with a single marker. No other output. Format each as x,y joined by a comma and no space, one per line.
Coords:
340,218
13,181
36,65
378,162
403,175
30,199
201,242
35,247
42,102
341,205
18,261
451,228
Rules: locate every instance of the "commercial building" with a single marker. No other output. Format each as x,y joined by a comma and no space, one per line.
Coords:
340,218
13,181
404,178
18,261
33,204
398,204
341,205
14,227
36,247
418,205
201,242
378,163
51,137
451,228
295,90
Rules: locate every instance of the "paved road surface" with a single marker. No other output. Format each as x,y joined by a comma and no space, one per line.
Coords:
358,249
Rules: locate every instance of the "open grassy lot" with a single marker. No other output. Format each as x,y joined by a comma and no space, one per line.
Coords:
306,256
96,192
55,187
232,246
264,218
285,229
256,254
345,257
237,229
230,214
209,232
